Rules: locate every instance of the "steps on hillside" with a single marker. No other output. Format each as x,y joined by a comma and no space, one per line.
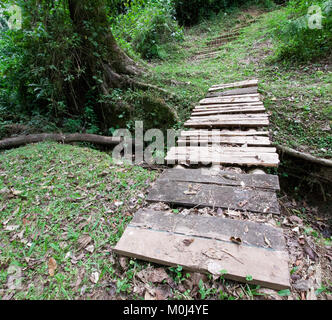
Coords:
234,131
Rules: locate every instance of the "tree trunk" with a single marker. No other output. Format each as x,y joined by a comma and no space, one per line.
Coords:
99,54
64,138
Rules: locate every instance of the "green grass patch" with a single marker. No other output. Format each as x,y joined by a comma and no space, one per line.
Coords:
54,196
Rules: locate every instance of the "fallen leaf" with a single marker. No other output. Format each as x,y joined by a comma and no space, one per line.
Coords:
68,255
312,255
298,262
236,240
296,230
153,275
16,192
301,240
194,280
187,192
11,227
188,242
118,203
90,248
94,277
51,266
163,292
301,285
79,278
295,219
233,213
123,263
83,241
267,241
149,296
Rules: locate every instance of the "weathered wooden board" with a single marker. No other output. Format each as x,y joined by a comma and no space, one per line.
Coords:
203,244
228,110
239,84
240,140
206,157
260,115
222,149
226,36
213,195
216,123
232,92
231,99
207,107
218,132
225,178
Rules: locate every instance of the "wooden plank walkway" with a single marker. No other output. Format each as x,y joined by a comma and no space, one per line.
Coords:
206,244
240,108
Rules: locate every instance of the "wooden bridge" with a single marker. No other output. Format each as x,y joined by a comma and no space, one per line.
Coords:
229,127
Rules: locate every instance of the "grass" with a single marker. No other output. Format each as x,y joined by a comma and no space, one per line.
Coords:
298,97
52,195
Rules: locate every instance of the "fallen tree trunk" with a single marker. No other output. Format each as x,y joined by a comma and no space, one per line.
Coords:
64,138
304,156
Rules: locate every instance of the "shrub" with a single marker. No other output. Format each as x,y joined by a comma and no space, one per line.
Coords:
149,26
297,32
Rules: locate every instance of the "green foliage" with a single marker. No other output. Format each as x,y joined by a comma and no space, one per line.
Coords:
284,293
298,33
149,26
192,12
177,271
38,60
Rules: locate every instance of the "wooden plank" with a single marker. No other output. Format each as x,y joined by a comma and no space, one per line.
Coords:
220,123
231,96
226,36
222,149
213,195
239,91
211,227
225,178
218,132
248,140
229,110
240,158
164,243
218,106
230,99
238,116
239,84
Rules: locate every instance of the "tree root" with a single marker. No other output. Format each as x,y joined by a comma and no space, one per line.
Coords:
146,86
304,156
64,138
